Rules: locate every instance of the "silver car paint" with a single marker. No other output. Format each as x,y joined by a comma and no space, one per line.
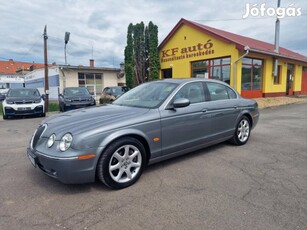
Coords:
179,131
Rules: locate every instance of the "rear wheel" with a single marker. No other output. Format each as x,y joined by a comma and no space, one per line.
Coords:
122,163
242,132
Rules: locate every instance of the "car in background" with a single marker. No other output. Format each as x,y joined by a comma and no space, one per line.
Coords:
3,93
75,98
152,122
23,102
109,94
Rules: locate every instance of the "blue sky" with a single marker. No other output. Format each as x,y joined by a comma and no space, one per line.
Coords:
98,28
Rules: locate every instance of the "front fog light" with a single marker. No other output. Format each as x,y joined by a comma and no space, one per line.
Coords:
51,140
65,142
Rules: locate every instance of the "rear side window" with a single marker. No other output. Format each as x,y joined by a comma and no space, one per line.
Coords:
220,92
231,93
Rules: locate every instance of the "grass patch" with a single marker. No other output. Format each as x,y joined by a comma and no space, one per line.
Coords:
53,106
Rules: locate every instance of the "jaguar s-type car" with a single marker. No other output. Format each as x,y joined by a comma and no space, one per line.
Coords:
150,123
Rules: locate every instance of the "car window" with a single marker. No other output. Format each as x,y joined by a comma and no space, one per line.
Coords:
23,93
193,91
147,95
231,93
217,91
76,92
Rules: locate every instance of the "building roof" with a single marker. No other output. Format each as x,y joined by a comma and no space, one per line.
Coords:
11,66
256,46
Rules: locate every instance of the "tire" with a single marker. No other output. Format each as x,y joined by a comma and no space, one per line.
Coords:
242,132
116,168
5,117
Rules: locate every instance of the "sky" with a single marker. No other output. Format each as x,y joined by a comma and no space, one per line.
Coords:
98,28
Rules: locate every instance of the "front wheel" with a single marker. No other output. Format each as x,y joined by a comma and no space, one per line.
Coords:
122,163
242,132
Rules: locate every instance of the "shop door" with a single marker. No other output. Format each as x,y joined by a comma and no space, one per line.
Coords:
290,72
304,81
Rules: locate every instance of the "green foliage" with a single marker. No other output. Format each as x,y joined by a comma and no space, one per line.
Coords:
141,54
129,57
53,106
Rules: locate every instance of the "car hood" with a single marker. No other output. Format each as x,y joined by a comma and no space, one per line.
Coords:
82,97
103,118
27,99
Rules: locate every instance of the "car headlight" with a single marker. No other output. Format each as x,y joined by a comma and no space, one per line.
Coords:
9,102
37,101
51,140
65,142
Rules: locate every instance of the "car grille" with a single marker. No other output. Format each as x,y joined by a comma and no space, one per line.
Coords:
38,133
78,100
23,102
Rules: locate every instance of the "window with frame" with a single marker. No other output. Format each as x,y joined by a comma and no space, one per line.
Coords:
251,74
218,69
277,79
92,81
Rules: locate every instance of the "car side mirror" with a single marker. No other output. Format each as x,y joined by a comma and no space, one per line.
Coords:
60,95
43,96
181,102
178,103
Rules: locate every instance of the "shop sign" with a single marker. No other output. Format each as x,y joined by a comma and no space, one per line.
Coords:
174,54
11,79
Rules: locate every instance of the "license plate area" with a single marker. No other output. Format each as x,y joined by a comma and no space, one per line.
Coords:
24,108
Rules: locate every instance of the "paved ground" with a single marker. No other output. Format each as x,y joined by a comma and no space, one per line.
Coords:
261,185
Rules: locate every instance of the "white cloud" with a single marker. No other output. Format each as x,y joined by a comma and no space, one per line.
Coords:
101,26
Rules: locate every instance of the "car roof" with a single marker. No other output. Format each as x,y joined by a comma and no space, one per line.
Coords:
185,80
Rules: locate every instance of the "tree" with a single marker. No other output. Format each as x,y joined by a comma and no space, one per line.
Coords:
129,58
141,54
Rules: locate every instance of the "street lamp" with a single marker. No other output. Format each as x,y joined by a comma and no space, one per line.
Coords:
66,39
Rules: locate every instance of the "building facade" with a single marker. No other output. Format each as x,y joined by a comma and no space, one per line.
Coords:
195,50
59,77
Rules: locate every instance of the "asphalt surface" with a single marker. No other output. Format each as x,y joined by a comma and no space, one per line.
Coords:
261,185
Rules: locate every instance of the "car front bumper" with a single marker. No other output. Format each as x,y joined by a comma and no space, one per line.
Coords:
69,170
23,109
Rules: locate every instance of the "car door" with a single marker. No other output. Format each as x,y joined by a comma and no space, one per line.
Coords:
223,109
188,127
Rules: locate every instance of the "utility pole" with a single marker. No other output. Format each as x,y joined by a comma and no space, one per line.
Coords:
46,70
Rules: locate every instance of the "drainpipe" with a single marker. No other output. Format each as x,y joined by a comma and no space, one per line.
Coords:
276,43
246,48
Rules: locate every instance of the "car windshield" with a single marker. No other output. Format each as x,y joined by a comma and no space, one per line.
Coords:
23,93
76,92
148,95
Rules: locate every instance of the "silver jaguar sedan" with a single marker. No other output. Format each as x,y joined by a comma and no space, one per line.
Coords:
150,123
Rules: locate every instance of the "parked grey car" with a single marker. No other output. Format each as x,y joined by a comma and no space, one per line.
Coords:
75,98
150,123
